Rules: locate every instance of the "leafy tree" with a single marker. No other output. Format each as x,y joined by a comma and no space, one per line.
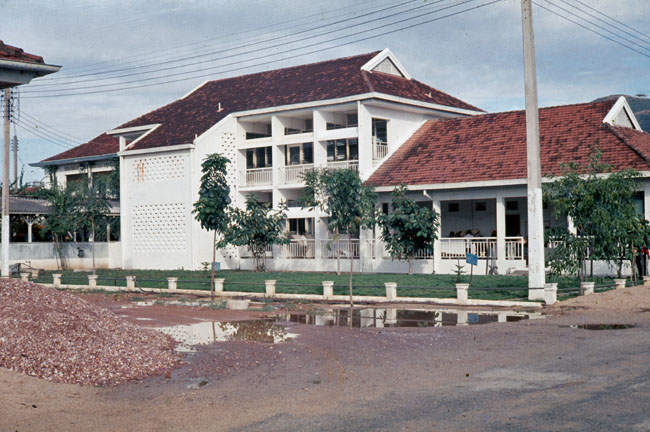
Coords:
341,194
601,204
214,198
409,228
61,219
91,206
256,227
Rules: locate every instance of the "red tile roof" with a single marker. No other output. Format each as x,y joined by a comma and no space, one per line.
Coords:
8,52
493,146
101,145
183,119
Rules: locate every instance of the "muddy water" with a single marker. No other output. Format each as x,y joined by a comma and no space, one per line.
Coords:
395,317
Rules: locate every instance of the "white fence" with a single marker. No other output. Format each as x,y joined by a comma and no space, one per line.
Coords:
342,248
484,247
301,249
351,164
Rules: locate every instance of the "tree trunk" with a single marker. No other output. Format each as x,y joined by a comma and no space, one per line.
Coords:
214,258
338,253
351,264
92,227
410,260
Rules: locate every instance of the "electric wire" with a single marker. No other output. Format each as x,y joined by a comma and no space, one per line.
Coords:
33,128
55,131
261,49
382,33
614,19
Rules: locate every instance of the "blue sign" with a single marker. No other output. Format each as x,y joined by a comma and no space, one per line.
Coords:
471,259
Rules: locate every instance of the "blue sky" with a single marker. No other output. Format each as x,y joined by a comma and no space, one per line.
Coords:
475,55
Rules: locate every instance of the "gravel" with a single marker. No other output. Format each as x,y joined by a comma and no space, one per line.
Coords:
62,338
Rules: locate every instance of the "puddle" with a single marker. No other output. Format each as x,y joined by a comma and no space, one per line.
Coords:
601,326
207,332
393,317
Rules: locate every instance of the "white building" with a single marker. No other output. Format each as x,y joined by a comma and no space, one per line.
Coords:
363,112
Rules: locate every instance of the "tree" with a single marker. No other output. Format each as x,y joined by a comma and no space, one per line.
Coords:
61,219
601,204
409,228
91,206
349,203
214,198
256,227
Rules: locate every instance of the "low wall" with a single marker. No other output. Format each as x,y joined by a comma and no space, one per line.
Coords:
43,255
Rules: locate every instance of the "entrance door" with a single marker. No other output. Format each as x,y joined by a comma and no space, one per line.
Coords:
513,225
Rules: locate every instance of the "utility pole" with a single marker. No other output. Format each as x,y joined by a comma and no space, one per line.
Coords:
536,276
15,159
5,187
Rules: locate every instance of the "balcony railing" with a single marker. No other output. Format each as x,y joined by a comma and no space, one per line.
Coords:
514,248
349,164
342,248
293,174
379,149
303,249
258,177
245,252
484,247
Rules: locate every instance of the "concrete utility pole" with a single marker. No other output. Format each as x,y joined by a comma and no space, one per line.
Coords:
5,187
536,276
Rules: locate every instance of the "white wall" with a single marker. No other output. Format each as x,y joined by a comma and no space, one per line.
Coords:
42,255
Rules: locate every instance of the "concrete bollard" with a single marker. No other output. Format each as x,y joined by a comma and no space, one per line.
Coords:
620,283
24,277
172,283
646,280
130,282
328,289
461,292
218,285
56,280
550,293
391,290
34,273
92,281
270,287
588,287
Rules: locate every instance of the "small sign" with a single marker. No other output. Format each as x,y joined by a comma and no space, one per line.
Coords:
471,259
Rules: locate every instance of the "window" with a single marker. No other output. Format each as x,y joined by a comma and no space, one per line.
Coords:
298,154
342,150
260,157
352,120
261,131
301,227
512,205
384,208
453,207
480,206
299,126
380,130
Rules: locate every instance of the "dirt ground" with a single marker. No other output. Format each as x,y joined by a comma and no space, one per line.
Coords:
529,375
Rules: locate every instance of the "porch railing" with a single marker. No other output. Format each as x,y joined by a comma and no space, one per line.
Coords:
344,249
349,164
258,177
484,247
299,249
514,248
293,174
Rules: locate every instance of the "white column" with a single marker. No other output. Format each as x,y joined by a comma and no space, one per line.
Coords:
365,140
570,225
501,228
646,201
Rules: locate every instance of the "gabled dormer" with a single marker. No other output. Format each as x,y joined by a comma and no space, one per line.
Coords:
621,115
386,62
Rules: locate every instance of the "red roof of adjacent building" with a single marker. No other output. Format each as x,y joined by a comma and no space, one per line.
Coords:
99,146
493,146
9,52
183,119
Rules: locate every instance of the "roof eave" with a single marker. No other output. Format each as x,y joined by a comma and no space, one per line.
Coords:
42,164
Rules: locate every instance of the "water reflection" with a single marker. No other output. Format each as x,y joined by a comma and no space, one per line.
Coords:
394,317
265,331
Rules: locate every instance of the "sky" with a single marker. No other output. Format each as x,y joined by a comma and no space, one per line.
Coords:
474,54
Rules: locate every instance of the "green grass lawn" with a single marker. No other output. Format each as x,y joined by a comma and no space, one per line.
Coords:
421,285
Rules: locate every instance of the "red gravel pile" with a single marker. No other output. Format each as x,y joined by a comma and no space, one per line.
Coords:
62,338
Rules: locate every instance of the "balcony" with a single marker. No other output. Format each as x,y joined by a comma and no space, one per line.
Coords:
349,164
342,249
379,150
293,174
258,177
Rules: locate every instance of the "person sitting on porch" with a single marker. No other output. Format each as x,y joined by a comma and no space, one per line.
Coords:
452,234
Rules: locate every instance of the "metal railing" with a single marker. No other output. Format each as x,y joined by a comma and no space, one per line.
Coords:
348,164
342,248
258,177
293,174
379,149
245,252
299,249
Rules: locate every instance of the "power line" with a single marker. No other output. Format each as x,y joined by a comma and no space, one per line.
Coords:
614,19
591,30
383,33
62,134
266,48
28,127
236,36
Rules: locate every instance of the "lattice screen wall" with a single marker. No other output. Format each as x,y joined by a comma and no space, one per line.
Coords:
229,150
158,168
159,227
